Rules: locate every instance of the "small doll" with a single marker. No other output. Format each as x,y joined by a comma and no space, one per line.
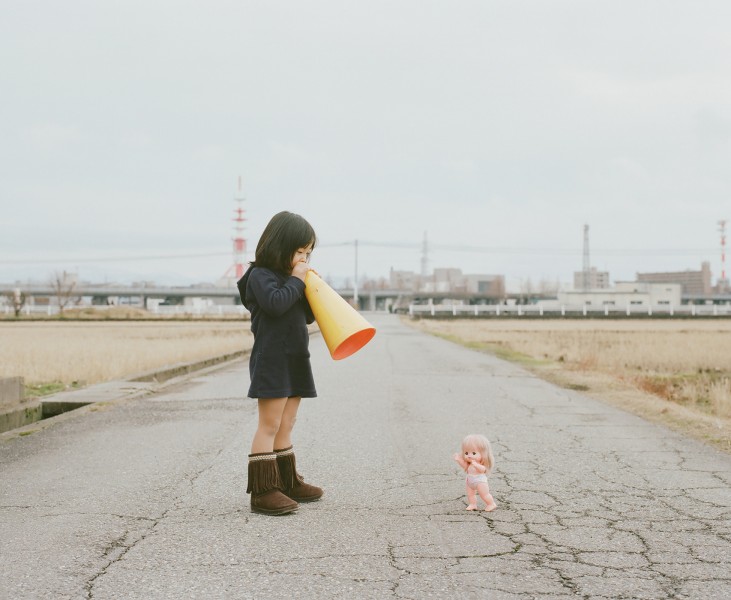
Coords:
477,461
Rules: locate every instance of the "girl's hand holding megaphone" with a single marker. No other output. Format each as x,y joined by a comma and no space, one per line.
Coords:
300,269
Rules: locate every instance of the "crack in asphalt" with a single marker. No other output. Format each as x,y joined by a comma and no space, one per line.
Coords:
121,545
608,537
650,570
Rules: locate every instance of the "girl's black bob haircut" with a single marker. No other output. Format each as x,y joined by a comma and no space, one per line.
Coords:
285,233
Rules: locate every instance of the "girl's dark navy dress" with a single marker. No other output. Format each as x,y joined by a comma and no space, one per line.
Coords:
280,359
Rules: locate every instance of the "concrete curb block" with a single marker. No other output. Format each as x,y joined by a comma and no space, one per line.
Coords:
12,389
24,414
177,370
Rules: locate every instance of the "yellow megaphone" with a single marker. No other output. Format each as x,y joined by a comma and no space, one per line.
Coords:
344,329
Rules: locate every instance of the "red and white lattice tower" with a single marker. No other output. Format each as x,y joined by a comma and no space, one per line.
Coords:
722,231
239,241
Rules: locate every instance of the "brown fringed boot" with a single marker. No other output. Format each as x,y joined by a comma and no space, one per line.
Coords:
266,488
293,484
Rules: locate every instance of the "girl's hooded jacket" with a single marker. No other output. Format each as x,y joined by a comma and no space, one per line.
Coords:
280,359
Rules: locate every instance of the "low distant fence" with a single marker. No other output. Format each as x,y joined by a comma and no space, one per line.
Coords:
208,311
200,310
534,310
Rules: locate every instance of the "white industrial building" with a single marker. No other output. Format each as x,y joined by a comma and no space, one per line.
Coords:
626,294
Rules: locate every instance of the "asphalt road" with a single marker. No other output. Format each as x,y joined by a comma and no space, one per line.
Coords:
145,498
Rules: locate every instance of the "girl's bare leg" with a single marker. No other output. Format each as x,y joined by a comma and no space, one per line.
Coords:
283,438
484,491
471,498
270,419
293,482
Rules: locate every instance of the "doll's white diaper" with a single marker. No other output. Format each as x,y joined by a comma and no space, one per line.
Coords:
474,480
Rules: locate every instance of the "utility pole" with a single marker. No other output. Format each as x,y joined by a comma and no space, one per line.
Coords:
355,280
586,279
722,231
424,257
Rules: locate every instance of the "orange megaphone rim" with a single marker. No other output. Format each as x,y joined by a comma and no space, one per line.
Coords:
353,343
343,328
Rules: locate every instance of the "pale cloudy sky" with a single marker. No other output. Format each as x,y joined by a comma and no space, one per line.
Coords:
497,127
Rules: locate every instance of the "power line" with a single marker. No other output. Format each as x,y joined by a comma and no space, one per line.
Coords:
542,251
29,261
494,250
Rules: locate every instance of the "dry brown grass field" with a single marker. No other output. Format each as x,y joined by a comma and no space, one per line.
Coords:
66,353
674,371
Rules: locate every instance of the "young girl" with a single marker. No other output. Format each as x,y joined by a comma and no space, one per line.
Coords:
477,461
273,291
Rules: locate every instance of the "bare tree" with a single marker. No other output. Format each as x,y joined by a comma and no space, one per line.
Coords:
548,288
526,287
64,286
17,301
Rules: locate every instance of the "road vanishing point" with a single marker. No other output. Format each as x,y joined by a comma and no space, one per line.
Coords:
144,498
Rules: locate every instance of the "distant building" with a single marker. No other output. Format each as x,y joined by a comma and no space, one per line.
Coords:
444,280
593,280
490,285
449,280
403,280
692,282
626,293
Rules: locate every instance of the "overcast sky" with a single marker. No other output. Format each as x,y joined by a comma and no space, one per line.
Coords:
499,128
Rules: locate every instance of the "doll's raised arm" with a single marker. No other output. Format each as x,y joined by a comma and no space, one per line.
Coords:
460,461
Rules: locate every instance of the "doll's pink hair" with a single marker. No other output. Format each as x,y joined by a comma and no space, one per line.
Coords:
480,443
